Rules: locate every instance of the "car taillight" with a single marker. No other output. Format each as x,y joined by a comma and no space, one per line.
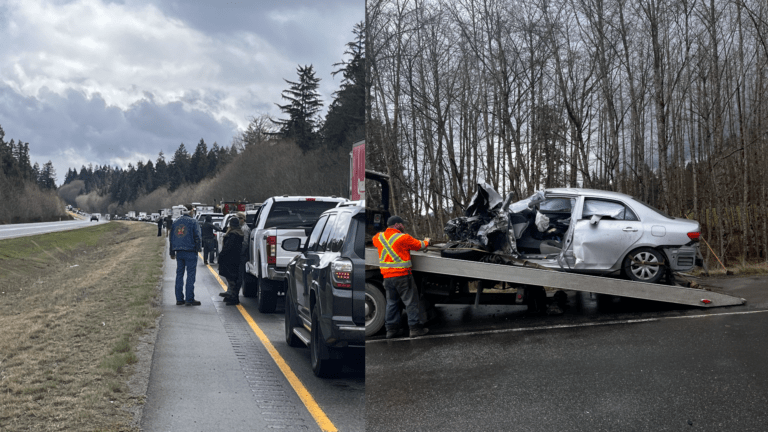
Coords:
271,250
694,236
341,270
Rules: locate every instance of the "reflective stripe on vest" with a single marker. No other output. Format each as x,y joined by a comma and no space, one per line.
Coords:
387,251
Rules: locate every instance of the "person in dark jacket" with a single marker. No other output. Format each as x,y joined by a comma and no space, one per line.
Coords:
229,259
185,242
168,225
159,227
244,251
209,239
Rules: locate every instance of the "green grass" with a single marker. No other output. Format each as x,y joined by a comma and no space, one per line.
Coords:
72,307
64,241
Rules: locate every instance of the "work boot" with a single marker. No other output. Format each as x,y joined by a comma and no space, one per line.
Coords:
418,331
394,333
231,301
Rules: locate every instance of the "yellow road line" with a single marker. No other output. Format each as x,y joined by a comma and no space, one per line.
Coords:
321,419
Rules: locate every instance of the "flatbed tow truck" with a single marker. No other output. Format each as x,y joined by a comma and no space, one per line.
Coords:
445,280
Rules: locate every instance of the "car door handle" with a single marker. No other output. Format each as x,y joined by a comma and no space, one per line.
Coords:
629,229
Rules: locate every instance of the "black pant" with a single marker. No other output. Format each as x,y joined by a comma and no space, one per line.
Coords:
209,248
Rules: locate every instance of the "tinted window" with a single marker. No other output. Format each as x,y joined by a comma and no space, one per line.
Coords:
359,221
327,231
340,232
315,236
296,214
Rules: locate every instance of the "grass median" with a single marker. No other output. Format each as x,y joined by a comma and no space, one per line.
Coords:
73,305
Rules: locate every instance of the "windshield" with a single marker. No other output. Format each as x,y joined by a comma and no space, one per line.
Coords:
296,214
527,203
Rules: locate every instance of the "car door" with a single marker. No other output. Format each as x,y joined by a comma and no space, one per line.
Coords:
304,265
314,273
604,233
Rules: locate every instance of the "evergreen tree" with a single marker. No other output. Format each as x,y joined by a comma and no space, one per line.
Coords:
304,104
345,122
161,171
47,176
179,168
199,163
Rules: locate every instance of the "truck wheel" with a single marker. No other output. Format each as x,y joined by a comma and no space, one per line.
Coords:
322,365
251,286
645,265
375,308
267,297
290,322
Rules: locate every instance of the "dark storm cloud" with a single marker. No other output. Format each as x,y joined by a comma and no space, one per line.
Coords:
109,82
73,128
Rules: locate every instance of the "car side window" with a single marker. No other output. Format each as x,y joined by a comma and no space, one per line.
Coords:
315,236
340,232
327,231
607,209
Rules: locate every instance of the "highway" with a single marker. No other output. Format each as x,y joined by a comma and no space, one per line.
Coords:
28,229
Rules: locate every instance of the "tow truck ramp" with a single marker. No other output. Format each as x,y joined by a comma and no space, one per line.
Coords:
430,262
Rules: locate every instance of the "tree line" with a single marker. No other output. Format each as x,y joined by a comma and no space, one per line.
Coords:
126,185
27,192
666,100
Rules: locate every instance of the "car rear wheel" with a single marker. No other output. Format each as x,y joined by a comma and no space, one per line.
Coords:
645,265
375,308
251,285
267,297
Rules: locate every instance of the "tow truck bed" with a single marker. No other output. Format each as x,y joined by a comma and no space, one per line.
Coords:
432,262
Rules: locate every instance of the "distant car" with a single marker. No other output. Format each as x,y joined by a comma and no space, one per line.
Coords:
579,230
325,289
95,217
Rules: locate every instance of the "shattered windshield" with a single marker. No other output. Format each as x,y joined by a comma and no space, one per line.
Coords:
527,203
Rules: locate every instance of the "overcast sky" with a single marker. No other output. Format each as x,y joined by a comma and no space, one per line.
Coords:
113,82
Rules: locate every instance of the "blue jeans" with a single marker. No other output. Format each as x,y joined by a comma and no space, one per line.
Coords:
401,288
185,260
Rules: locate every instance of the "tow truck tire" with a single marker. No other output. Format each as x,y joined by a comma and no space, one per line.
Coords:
250,286
650,273
375,308
322,365
290,322
266,300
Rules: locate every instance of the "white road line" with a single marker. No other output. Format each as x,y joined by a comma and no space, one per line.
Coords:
563,326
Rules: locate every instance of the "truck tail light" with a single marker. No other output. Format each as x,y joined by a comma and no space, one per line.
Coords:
271,250
694,235
311,199
341,273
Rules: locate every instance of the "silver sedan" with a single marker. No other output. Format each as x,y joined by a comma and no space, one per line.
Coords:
593,231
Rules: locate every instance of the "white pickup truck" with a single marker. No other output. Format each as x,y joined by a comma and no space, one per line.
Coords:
279,218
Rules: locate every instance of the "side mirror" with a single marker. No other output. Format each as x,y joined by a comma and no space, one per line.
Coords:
595,219
292,244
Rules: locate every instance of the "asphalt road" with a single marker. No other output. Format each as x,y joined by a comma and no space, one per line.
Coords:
616,364
27,229
212,370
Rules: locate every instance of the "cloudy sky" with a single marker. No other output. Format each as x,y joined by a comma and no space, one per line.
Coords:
113,82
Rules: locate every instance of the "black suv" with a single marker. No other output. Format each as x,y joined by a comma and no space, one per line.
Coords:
325,289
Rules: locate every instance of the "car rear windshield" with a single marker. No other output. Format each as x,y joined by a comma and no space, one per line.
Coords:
296,214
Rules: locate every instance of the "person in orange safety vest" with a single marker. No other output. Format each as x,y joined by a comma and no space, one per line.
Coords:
395,264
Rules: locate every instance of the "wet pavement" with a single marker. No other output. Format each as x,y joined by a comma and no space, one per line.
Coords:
212,372
605,364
